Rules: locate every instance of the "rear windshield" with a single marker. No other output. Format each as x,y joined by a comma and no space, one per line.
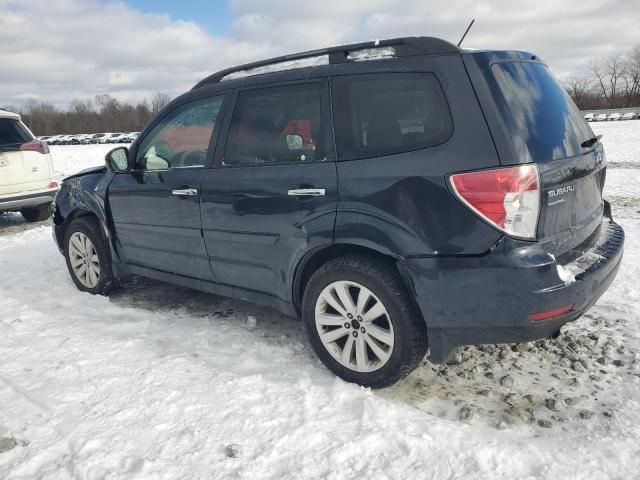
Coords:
13,133
543,113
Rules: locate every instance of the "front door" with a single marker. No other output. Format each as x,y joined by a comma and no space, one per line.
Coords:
273,194
156,207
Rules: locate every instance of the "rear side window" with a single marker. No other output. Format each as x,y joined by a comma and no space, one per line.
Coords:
13,133
383,114
543,113
276,125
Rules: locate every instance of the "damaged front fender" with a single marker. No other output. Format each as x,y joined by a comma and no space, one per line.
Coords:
83,194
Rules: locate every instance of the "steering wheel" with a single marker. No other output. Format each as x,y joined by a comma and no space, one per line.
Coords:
194,158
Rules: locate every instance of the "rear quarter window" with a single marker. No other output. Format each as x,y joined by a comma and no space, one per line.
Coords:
13,133
385,114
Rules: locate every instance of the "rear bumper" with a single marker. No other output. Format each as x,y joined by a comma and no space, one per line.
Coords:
489,299
16,202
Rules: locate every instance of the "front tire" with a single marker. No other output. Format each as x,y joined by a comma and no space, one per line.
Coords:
87,256
361,322
37,214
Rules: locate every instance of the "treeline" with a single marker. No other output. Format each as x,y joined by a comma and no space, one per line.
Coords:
102,114
610,82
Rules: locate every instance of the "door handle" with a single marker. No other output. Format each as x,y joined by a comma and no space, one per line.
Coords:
307,192
186,192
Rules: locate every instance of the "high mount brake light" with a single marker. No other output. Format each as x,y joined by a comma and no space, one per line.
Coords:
35,146
508,198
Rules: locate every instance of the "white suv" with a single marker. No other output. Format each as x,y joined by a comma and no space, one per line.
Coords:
27,181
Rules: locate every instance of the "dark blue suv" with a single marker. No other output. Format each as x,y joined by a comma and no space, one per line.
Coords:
400,197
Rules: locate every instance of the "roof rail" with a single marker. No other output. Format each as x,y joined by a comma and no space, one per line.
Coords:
404,47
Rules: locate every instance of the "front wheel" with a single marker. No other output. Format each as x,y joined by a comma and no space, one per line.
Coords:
87,256
361,322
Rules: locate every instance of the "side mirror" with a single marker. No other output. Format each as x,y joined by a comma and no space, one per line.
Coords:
117,160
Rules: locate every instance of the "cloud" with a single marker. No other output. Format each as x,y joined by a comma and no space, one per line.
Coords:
79,48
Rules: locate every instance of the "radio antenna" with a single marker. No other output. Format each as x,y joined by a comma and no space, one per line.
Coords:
465,32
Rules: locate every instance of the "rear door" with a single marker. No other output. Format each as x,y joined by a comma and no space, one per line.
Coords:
273,194
549,130
156,207
21,170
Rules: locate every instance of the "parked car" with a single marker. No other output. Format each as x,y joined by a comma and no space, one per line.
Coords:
94,138
614,117
602,117
589,117
65,140
53,139
27,180
629,116
108,137
120,138
343,194
131,137
81,139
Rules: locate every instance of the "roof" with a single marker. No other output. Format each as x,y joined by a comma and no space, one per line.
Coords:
401,47
6,114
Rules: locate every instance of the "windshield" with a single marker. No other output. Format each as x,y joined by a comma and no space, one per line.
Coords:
544,114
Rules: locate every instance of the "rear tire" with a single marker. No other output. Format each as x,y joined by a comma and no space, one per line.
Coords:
88,258
37,214
375,344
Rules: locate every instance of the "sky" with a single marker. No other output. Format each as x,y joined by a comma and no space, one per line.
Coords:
58,50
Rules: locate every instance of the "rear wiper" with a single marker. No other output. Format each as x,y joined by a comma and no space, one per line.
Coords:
589,143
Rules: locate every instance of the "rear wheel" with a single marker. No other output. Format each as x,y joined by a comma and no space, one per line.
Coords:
362,323
87,256
37,214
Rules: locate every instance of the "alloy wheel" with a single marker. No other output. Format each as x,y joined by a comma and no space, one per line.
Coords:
84,260
354,326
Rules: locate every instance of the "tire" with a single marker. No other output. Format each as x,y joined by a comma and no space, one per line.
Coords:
37,214
89,228
403,330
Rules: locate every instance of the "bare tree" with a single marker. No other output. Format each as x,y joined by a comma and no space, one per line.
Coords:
159,101
631,91
608,74
578,88
39,115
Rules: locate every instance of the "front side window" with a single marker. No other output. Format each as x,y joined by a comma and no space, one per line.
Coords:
276,125
384,114
181,139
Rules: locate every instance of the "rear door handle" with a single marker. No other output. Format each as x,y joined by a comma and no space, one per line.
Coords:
186,192
306,192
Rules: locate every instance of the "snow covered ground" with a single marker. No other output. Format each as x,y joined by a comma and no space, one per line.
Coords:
159,381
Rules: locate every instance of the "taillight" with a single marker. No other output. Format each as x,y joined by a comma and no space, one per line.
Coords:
508,198
35,146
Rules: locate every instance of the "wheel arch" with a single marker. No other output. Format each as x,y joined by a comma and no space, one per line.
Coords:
316,258
84,195
62,223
